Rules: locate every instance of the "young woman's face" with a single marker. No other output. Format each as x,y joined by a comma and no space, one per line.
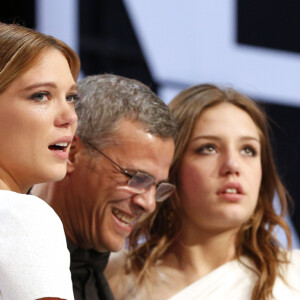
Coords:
221,171
37,123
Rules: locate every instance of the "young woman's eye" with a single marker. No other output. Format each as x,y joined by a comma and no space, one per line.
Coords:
206,149
40,96
249,151
72,98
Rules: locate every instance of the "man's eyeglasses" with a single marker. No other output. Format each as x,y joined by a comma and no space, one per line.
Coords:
141,181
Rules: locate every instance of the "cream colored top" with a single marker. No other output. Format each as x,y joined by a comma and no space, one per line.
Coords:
234,281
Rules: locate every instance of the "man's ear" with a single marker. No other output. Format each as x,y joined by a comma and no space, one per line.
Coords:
76,149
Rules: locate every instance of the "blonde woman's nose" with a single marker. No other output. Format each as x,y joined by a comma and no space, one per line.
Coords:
66,115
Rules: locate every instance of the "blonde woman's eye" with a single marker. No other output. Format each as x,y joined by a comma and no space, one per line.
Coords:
40,96
72,98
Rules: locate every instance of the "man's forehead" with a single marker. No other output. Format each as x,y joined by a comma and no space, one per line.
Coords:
129,132
126,127
130,140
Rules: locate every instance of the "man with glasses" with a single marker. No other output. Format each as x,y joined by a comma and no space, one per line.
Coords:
117,170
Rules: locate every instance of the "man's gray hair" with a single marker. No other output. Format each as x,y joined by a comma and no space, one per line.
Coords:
107,99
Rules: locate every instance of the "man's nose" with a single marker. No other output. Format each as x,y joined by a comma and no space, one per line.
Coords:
146,200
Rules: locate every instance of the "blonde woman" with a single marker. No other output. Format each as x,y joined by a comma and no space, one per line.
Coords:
38,76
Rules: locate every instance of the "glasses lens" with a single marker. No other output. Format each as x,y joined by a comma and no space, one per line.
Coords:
141,181
163,191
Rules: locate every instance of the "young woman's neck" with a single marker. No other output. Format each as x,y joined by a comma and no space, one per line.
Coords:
7,183
201,253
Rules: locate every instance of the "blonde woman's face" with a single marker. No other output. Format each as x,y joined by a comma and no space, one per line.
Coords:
37,122
221,171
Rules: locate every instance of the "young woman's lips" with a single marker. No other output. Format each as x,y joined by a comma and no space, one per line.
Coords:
60,147
61,154
232,192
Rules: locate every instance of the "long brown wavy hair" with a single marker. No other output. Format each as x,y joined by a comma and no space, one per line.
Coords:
256,238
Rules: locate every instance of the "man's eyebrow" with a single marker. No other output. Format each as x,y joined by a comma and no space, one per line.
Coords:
138,170
144,172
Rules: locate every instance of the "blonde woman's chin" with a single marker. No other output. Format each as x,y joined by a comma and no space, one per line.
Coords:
54,172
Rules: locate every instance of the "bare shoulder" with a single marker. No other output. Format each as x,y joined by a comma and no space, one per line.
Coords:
115,273
162,280
116,265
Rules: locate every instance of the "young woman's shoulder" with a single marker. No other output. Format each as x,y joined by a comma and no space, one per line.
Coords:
33,249
123,284
294,256
116,264
27,211
115,272
287,286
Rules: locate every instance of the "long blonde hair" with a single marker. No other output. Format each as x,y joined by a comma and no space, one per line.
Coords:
20,46
255,239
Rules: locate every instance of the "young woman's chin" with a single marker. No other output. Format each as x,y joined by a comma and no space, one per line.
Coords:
52,173
59,173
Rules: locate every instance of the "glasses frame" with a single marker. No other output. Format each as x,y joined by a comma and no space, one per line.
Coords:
126,173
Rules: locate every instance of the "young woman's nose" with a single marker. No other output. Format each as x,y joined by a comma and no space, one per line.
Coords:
230,165
66,115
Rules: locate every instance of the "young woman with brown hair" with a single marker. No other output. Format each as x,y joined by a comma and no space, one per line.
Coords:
214,238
